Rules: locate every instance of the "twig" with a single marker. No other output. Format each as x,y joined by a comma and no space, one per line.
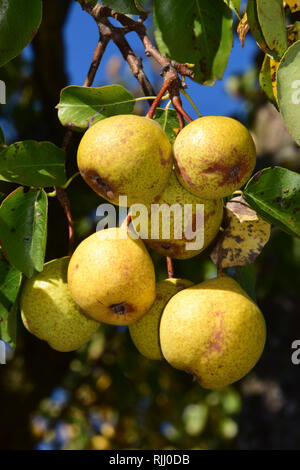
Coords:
98,54
135,63
65,203
100,11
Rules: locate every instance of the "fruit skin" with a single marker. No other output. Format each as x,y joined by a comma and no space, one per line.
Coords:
214,156
112,278
125,155
49,312
213,330
175,193
145,332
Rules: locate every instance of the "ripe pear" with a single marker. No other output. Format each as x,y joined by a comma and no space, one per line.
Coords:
214,156
213,330
125,155
111,277
168,244
145,332
49,312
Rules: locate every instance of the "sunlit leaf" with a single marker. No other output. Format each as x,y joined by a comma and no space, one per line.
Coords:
81,107
274,193
23,229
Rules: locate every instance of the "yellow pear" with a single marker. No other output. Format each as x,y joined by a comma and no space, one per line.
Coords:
213,330
125,155
214,156
111,277
145,332
190,228
49,312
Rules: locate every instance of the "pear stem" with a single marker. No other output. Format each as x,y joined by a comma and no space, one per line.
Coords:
170,267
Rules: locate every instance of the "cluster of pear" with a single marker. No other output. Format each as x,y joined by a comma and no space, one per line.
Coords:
131,156
213,330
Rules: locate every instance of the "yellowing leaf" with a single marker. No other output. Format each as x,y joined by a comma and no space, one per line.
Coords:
293,4
243,238
243,28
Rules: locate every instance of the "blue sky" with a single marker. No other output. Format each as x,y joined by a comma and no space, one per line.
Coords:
81,36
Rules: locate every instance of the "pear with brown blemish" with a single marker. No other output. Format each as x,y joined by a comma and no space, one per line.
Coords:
214,156
125,155
111,277
214,331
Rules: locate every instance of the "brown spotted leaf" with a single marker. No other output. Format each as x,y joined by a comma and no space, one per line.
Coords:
243,238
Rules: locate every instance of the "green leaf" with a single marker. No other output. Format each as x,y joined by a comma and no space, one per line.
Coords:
18,24
124,6
274,193
246,277
255,26
235,5
23,229
266,81
80,107
10,283
198,32
31,163
2,137
168,121
288,90
272,22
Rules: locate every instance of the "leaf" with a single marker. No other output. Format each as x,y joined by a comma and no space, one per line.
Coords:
242,29
2,137
288,90
255,26
197,32
18,25
246,277
274,193
294,5
10,283
244,236
31,163
124,6
168,121
272,22
23,229
235,5
265,80
80,107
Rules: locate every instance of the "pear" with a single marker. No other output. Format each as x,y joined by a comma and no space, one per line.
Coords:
213,330
49,312
111,277
145,332
170,245
214,156
125,155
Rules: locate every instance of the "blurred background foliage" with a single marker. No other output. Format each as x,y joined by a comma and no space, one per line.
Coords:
106,395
